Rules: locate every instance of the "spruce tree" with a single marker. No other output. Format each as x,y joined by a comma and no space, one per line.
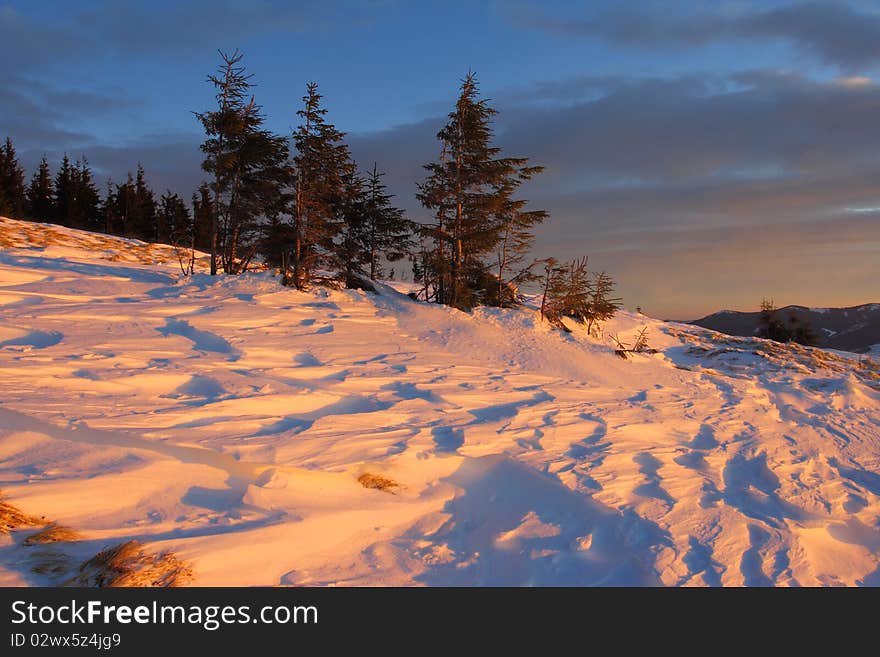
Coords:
177,228
387,231
40,204
12,191
202,217
108,209
87,201
350,255
262,175
570,292
65,193
173,219
552,270
248,164
513,268
471,192
603,305
223,127
126,210
323,174
143,221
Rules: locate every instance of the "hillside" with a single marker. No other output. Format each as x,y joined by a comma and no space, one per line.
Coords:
266,436
855,329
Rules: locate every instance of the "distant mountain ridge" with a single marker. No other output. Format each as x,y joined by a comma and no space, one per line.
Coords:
855,329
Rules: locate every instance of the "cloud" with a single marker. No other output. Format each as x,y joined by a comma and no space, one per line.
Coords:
32,40
758,123
836,33
28,44
683,135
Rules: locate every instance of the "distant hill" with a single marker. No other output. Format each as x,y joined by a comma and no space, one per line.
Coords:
854,329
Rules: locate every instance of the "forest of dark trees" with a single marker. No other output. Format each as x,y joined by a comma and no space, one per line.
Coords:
300,205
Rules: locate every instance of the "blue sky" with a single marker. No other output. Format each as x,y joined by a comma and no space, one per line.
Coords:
706,154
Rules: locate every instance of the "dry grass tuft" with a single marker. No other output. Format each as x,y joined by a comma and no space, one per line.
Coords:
368,480
12,518
50,561
52,533
129,565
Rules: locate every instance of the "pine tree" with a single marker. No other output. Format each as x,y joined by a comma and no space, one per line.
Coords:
515,241
40,204
387,231
570,292
12,191
322,186
125,208
65,193
471,192
143,220
173,219
223,128
350,254
602,305
108,210
175,226
248,163
551,270
202,217
371,229
263,174
87,202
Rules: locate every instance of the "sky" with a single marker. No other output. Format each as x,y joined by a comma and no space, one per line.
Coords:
706,154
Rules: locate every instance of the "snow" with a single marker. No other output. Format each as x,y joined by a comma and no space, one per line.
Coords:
228,420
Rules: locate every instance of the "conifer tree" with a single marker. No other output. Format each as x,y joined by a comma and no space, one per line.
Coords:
387,231
471,192
177,227
323,171
570,292
552,271
515,238
350,254
143,220
223,128
248,164
87,200
602,305
202,217
40,204
172,219
12,191
108,212
65,193
125,205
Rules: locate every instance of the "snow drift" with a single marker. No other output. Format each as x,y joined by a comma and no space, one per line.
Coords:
248,428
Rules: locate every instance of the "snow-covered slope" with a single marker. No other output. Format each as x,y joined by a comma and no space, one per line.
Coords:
232,421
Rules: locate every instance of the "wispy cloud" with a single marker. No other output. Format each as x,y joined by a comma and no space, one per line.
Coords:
836,33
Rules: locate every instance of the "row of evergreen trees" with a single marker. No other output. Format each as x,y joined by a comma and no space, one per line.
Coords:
300,202
301,205
71,198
